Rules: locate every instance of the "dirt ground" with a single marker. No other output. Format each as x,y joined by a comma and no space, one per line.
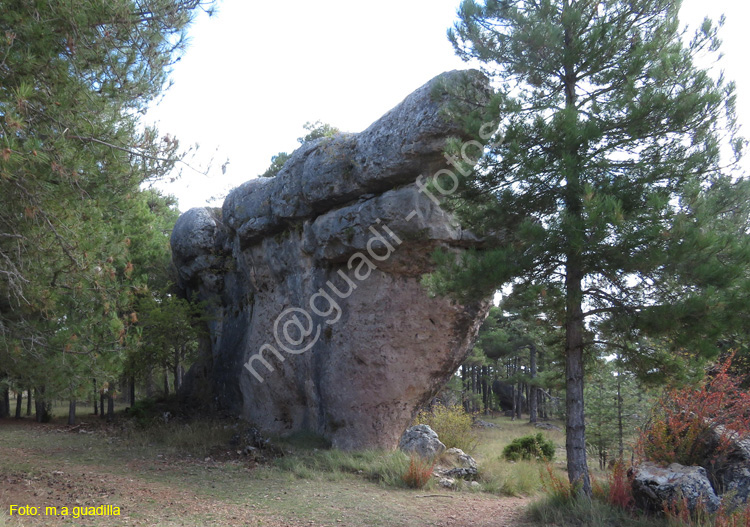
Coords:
53,466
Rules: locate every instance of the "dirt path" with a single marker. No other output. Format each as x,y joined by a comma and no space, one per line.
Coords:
180,492
157,504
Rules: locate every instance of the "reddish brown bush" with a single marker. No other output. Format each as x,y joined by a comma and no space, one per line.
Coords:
694,426
418,473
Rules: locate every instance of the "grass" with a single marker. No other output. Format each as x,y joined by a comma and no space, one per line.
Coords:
383,467
198,438
498,476
553,511
310,482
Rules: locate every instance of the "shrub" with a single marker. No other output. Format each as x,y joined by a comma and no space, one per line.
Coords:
143,411
694,426
452,425
557,488
677,514
618,489
418,473
530,447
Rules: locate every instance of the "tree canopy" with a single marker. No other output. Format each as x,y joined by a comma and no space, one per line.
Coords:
77,232
316,130
605,197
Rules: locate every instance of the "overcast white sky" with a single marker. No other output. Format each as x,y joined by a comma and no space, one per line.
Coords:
257,71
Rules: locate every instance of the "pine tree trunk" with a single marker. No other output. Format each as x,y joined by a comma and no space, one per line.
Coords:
621,446
485,398
464,384
110,407
5,408
132,390
533,393
72,412
519,402
575,427
41,406
102,415
578,472
28,402
150,386
19,403
166,381
176,371
96,408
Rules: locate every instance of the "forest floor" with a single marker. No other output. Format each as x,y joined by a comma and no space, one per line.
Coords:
94,464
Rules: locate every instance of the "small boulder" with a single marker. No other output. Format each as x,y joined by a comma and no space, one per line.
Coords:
458,458
421,440
653,486
447,483
547,426
456,464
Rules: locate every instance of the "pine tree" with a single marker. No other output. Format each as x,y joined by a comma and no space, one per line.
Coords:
615,406
608,135
316,130
76,78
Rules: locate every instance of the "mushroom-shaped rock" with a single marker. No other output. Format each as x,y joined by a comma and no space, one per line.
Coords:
319,321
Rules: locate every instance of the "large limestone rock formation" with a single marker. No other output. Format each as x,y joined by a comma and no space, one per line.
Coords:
319,321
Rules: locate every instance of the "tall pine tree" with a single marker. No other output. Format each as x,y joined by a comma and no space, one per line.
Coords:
608,134
75,79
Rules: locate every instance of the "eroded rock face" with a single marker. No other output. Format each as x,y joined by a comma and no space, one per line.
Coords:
319,321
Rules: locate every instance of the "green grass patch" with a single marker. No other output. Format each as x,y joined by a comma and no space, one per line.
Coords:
384,467
510,479
552,510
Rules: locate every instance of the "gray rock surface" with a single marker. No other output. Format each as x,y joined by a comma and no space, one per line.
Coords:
421,440
654,485
732,477
547,426
318,318
456,464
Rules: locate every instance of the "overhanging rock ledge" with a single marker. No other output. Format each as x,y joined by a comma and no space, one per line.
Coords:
338,239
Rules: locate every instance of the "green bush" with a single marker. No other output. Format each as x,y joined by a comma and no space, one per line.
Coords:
143,411
530,447
452,425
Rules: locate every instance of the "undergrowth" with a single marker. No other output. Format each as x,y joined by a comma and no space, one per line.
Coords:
453,425
677,514
199,437
530,447
419,472
695,426
384,467
509,479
